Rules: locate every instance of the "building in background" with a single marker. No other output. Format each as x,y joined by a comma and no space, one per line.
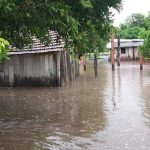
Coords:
128,48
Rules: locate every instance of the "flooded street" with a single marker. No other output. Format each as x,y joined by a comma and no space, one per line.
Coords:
111,112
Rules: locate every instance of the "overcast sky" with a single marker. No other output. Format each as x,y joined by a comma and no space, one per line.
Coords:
130,7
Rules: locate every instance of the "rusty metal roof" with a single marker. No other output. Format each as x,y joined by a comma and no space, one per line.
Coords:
38,47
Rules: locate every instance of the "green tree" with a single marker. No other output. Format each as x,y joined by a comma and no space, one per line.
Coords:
132,32
134,27
75,21
22,19
147,22
4,48
136,20
145,48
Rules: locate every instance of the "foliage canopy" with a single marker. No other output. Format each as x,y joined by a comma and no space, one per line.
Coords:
4,48
135,26
83,24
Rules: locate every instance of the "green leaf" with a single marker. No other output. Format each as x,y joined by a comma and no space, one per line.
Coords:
86,3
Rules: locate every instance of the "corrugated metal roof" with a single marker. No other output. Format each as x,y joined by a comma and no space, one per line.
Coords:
38,47
126,43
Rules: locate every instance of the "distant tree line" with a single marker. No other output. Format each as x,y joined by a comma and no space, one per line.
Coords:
136,26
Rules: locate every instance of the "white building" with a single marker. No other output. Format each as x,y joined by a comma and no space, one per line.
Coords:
40,65
128,48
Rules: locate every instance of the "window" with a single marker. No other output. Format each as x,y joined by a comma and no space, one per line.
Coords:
123,50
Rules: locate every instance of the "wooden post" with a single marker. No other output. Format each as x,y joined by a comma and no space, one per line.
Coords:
95,65
84,60
133,53
141,63
112,52
118,52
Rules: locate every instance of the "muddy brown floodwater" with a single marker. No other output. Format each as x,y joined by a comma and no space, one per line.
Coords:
111,112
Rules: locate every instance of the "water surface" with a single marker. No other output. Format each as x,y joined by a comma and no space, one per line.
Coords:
111,112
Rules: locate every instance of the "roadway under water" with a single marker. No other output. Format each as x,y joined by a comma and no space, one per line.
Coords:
111,112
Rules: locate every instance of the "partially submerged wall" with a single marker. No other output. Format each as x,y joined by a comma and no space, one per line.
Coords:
45,69
131,53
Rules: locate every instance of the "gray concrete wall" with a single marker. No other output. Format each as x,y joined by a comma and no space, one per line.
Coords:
35,70
129,54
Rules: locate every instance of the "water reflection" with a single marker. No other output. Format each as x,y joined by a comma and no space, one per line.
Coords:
53,118
114,91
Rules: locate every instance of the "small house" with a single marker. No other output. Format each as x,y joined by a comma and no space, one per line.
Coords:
39,65
128,48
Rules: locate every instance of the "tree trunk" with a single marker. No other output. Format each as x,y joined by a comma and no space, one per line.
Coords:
95,66
112,52
133,53
84,62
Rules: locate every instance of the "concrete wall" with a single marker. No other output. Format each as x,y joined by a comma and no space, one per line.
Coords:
36,70
131,54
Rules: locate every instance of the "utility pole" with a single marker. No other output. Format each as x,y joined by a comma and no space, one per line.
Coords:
118,51
112,52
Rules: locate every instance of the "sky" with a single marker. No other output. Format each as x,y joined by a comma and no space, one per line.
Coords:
130,7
